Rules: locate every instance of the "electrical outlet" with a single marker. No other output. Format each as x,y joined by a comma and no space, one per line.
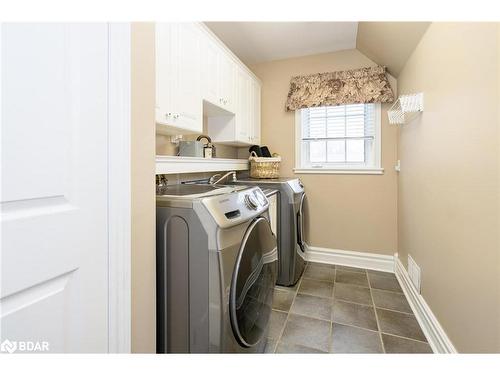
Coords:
414,273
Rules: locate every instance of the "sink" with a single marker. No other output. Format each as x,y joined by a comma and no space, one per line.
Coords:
195,190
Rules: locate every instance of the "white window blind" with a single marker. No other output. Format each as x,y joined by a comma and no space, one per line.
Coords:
339,136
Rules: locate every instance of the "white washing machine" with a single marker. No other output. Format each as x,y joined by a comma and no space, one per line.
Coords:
216,269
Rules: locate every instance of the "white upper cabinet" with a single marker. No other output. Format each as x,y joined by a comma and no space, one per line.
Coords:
193,66
226,69
244,127
242,120
255,112
248,108
218,75
178,79
209,69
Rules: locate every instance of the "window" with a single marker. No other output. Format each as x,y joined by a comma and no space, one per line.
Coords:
338,139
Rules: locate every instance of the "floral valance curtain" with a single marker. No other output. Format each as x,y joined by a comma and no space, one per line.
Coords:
365,85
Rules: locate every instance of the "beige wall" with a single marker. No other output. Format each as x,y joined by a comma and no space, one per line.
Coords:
165,147
448,185
389,43
143,190
498,169
348,212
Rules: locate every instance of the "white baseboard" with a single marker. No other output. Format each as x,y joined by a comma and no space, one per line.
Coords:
435,334
350,258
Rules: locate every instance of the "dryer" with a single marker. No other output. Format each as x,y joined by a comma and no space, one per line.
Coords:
216,269
291,245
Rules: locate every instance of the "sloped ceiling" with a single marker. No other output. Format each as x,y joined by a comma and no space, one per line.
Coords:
256,42
389,43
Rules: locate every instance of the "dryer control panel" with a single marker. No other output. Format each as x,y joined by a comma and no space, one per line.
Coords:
236,207
296,185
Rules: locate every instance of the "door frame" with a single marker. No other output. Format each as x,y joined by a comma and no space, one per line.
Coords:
119,188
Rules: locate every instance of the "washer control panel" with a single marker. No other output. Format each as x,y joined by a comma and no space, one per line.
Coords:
236,207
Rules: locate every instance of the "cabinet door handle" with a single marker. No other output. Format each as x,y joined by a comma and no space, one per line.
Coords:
168,114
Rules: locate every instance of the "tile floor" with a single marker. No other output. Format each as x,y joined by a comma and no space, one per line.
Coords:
337,309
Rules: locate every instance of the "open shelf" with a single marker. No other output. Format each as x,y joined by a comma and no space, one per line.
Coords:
184,164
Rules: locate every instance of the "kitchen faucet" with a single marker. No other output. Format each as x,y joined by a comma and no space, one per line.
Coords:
212,180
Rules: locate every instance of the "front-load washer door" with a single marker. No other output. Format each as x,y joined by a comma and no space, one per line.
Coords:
253,282
300,225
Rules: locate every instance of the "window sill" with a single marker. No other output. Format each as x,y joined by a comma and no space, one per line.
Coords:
338,171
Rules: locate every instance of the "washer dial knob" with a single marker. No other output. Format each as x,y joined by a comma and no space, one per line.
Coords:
251,202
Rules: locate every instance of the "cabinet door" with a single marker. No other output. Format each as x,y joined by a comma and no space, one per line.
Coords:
226,78
242,108
187,96
255,121
178,71
210,54
166,74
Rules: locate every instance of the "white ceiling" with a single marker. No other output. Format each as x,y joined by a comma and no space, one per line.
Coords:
256,42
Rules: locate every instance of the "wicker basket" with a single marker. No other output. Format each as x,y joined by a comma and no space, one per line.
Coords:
264,167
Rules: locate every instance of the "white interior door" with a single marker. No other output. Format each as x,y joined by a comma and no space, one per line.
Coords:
54,197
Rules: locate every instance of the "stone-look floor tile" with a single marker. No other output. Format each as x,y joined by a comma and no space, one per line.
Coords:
311,306
349,277
354,315
282,299
391,301
286,348
315,264
399,324
289,288
276,324
316,288
352,293
381,273
352,269
393,344
312,333
384,283
319,273
270,346
355,327
347,339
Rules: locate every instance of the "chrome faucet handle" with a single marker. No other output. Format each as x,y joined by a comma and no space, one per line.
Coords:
212,178
161,183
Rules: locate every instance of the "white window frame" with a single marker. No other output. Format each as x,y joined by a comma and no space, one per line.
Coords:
346,169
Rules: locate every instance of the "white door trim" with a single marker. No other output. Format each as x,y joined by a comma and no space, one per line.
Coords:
119,191
433,331
359,259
